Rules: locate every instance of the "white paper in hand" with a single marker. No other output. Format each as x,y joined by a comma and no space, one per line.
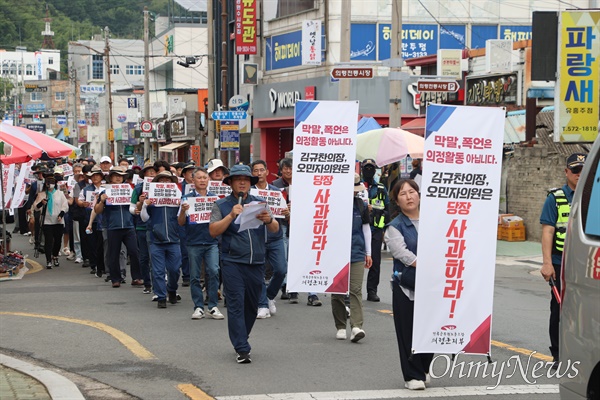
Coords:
247,219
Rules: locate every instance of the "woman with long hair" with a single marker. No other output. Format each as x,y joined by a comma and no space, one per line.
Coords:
401,239
53,205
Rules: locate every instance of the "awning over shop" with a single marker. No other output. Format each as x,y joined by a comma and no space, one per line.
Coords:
172,146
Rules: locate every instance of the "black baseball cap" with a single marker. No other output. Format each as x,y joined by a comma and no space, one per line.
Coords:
369,161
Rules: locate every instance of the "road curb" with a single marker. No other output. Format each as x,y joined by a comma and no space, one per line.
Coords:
59,387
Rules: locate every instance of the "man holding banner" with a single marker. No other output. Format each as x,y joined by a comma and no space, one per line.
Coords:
242,255
114,204
194,216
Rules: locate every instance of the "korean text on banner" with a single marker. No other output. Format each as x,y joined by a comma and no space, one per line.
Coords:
8,181
20,186
219,188
457,229
311,42
118,194
578,97
245,27
164,194
274,199
200,209
323,171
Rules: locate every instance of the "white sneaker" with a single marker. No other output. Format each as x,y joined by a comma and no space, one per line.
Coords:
272,308
263,313
214,313
356,334
71,257
427,379
78,260
66,251
198,313
341,334
31,240
414,384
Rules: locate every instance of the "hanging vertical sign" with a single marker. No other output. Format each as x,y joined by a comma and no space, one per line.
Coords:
245,27
311,43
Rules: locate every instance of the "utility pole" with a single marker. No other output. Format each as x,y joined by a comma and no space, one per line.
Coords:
211,83
75,131
111,132
146,81
344,84
225,39
395,115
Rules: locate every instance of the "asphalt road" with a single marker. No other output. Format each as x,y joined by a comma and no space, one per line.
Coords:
106,338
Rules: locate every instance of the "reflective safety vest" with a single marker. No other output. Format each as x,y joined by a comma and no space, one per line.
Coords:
560,229
378,205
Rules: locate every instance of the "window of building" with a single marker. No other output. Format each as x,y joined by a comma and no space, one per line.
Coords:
29,69
50,61
36,96
114,69
5,69
13,69
290,7
97,67
134,70
60,96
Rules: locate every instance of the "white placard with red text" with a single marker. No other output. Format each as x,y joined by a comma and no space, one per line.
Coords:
164,194
20,186
456,254
118,194
200,208
8,181
323,173
274,199
219,188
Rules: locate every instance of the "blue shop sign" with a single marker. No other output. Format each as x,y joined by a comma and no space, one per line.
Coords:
363,38
481,33
515,32
33,108
418,40
284,51
453,37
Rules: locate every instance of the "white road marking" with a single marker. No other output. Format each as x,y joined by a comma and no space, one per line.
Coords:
455,391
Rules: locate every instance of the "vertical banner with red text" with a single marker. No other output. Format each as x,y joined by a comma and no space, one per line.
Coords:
321,202
456,254
245,27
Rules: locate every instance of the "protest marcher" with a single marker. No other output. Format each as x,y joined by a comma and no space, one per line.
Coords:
275,251
165,252
34,214
53,206
161,165
378,203
105,164
401,239
119,224
216,170
185,261
242,257
137,200
68,223
285,184
201,247
554,220
360,258
92,239
77,213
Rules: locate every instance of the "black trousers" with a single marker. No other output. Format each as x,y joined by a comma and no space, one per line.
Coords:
53,237
96,250
375,271
555,315
413,366
127,237
23,225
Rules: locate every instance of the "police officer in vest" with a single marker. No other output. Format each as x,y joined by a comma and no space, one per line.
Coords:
554,218
378,203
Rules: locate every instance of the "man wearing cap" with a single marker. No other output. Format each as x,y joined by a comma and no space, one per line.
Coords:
377,204
93,240
164,240
242,256
554,220
77,213
137,200
119,224
216,170
105,164
186,172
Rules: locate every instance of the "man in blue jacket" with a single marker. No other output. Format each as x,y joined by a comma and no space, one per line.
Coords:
242,256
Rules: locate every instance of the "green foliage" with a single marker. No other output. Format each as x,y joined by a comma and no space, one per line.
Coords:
22,21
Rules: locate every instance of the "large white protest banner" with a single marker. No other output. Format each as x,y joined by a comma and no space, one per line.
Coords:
274,199
323,172
200,208
164,194
118,194
20,186
8,175
457,229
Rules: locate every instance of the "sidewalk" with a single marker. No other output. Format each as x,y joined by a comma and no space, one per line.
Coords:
518,249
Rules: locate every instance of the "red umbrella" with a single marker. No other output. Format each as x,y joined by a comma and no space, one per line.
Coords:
21,151
53,148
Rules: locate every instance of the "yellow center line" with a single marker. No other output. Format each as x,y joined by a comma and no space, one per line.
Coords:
502,345
130,343
193,392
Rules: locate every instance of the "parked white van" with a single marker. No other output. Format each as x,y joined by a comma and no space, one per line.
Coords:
580,314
